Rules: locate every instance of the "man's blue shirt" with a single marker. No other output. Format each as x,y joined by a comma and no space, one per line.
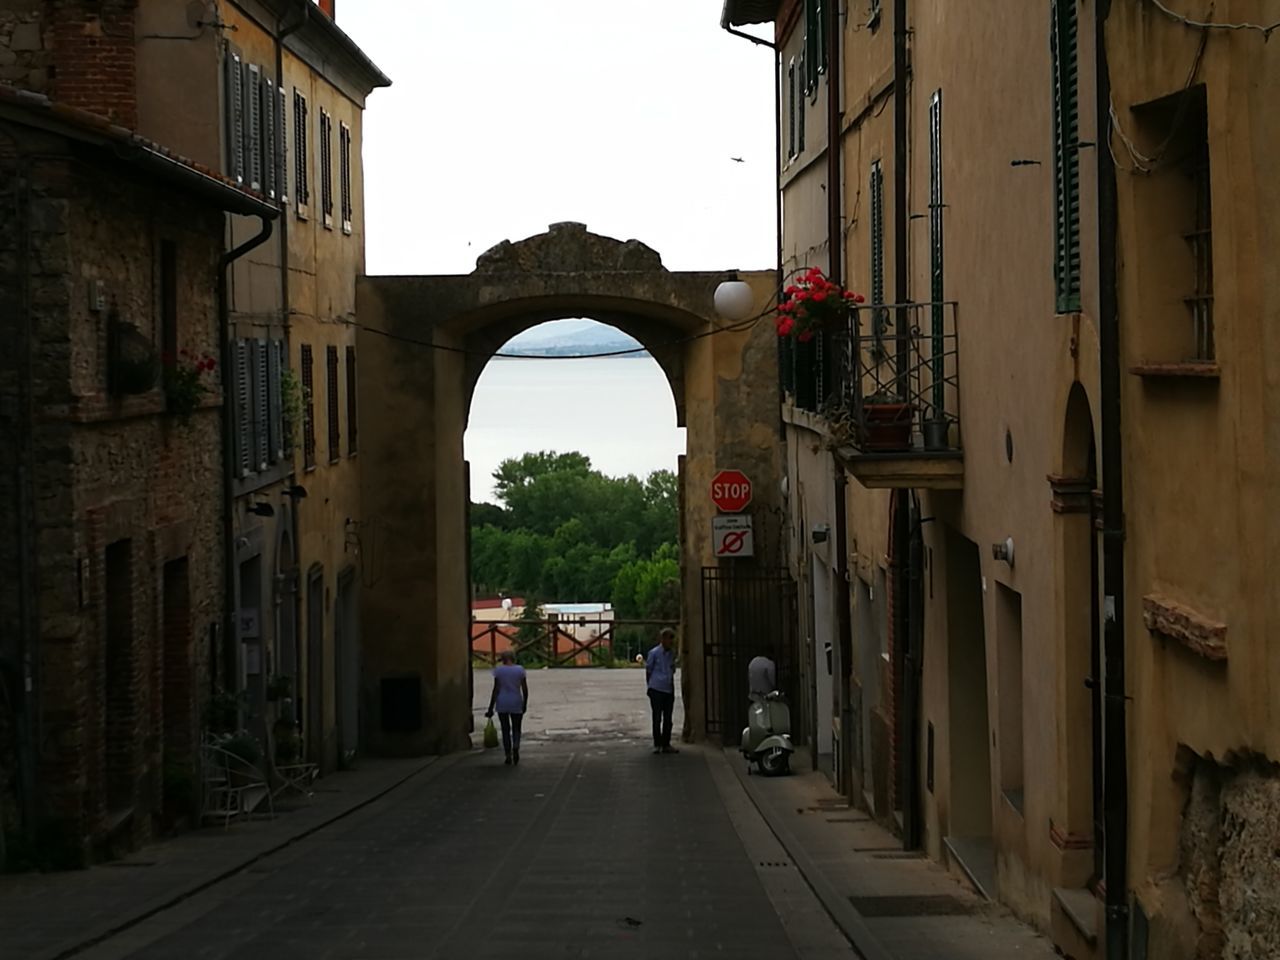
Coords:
660,664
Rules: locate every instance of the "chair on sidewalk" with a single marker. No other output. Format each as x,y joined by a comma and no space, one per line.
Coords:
231,787
291,777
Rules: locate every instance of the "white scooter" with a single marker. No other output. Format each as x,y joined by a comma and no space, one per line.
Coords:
766,741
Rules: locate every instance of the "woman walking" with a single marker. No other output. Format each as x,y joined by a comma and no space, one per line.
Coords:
511,698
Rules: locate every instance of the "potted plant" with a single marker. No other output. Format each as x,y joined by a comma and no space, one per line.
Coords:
814,303
245,747
279,688
886,422
184,381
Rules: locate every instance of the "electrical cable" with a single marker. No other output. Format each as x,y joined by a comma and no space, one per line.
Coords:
1265,30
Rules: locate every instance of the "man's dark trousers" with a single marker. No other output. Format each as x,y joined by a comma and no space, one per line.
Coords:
662,703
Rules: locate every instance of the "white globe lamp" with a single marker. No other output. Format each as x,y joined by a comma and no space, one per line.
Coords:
733,299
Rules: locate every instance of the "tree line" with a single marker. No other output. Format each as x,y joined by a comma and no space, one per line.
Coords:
562,531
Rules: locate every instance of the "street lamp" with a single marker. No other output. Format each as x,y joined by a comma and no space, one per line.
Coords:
733,299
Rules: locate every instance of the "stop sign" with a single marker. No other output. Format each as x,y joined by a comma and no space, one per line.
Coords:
730,490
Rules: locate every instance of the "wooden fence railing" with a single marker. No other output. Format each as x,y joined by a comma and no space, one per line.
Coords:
560,642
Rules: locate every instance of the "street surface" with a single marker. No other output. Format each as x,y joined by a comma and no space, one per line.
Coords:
591,847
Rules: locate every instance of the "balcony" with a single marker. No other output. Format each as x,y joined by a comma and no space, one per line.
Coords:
887,386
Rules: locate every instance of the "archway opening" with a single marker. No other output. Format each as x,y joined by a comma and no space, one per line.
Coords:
574,456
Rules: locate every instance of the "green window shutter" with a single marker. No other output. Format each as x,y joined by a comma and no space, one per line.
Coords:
253,119
936,286
877,251
1066,157
793,103
233,70
801,103
812,42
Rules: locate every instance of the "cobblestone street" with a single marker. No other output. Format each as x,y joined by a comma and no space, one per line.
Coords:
591,847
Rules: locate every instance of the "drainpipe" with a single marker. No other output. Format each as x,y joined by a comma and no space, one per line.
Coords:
835,271
228,433
1115,770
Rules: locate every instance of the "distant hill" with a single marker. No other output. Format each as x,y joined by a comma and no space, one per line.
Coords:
567,338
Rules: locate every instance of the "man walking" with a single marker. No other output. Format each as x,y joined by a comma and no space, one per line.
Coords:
660,672
762,674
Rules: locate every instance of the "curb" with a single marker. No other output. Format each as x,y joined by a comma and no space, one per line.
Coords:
838,907
438,764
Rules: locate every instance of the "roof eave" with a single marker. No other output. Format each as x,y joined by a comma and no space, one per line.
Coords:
737,13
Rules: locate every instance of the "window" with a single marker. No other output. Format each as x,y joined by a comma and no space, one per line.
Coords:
253,122
936,286
335,435
308,409
351,401
301,174
877,256
267,111
168,300
815,43
233,73
282,146
259,411
326,167
793,102
1066,158
344,175
1175,199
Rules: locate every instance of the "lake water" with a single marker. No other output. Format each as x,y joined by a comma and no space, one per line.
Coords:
619,412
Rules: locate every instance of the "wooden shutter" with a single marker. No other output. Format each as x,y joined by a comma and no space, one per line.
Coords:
244,408
233,70
335,435
1066,157
326,167
301,180
261,406
351,401
820,43
801,102
344,174
282,144
269,137
935,200
253,123
308,408
812,38
877,254
791,108
275,426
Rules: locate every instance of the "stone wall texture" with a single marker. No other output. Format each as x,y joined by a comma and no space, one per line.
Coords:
127,507
1230,859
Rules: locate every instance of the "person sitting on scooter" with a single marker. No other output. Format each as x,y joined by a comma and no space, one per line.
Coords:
762,674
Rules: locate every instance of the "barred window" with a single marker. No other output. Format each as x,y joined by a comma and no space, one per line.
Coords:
308,409
335,435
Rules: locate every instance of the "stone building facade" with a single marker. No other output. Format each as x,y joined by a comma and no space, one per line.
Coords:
1060,686
113,571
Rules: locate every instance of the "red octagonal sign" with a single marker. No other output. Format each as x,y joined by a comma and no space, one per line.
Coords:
730,490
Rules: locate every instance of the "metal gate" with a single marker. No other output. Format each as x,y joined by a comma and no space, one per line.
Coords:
744,612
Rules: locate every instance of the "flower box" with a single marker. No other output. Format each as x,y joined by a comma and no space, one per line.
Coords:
886,426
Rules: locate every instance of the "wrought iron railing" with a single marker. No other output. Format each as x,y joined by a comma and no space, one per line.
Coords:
890,380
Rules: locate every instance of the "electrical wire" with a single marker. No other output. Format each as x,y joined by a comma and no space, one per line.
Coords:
1265,30
736,327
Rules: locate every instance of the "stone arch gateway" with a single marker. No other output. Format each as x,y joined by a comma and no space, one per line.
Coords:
423,342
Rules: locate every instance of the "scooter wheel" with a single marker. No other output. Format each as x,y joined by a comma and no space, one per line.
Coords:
775,763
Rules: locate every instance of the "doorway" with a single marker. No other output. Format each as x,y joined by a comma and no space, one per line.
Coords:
119,720
313,731
346,640
823,652
176,692
969,829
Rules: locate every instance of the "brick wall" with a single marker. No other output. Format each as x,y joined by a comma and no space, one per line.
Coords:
110,470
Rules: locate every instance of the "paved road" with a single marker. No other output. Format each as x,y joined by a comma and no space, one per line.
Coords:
591,847
584,850
583,704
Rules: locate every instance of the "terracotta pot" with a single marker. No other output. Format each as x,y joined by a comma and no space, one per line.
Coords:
886,426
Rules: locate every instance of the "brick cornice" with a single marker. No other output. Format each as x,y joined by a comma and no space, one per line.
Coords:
1171,620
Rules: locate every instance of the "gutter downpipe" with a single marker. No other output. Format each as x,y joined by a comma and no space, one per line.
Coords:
835,270
1115,731
900,214
228,435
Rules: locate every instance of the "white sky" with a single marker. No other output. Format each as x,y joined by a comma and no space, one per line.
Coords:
507,115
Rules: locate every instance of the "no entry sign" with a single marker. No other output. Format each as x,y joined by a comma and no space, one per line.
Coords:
731,491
